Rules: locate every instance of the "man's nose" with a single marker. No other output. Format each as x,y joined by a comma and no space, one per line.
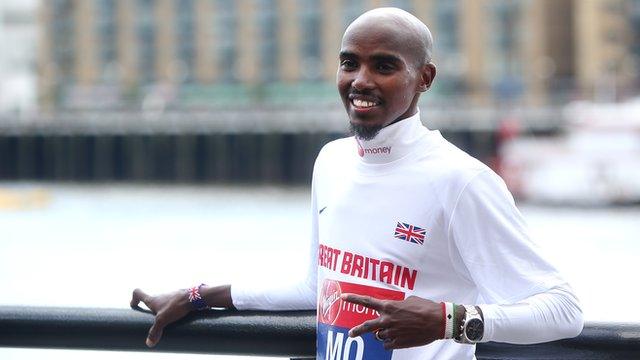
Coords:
363,79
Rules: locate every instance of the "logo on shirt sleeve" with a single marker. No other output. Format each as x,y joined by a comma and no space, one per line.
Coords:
336,317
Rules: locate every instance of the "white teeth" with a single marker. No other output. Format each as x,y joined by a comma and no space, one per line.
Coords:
363,103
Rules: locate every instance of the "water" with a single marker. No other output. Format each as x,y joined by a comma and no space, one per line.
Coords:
90,245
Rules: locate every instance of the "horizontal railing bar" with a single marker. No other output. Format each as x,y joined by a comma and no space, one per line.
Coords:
598,340
286,334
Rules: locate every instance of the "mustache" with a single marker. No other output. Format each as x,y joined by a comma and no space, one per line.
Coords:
366,95
362,92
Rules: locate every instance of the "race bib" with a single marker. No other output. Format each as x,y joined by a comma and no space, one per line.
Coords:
337,317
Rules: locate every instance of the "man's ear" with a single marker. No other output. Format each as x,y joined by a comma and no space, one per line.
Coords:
427,74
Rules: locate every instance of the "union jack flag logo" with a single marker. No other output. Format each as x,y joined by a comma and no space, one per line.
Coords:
410,233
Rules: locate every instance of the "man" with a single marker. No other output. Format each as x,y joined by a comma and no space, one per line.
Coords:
418,251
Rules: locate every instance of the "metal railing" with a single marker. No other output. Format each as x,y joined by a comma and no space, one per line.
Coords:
285,334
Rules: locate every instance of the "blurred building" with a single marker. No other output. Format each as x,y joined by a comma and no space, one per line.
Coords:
159,54
18,35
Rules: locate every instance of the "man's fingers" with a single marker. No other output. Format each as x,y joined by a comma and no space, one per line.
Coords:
390,344
138,296
368,301
155,333
365,327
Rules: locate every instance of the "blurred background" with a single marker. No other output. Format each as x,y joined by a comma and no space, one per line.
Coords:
137,133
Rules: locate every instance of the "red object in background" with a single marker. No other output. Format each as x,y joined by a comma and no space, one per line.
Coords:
508,129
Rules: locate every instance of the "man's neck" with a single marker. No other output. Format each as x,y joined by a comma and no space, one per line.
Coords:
392,142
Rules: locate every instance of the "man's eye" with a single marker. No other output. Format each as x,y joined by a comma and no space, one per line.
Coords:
348,64
385,67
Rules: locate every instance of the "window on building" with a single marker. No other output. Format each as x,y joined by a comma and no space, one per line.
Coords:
634,15
352,9
506,64
63,37
225,23
107,39
268,30
451,68
402,4
146,44
310,41
185,39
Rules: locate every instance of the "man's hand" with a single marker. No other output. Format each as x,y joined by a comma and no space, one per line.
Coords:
168,308
407,323
173,306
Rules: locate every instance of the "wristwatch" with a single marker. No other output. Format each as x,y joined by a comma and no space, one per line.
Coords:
472,328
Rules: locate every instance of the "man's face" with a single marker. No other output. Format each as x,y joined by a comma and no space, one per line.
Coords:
378,78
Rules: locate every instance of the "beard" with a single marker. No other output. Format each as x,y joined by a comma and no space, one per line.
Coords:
364,132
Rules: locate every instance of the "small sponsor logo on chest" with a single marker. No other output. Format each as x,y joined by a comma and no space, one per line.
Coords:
381,150
377,150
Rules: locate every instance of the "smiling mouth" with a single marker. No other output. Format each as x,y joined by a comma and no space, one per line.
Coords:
364,104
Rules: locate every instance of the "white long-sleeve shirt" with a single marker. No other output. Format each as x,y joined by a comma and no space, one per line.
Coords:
408,213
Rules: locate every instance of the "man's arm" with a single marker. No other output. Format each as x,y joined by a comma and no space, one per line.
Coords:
548,316
415,321
528,301
171,307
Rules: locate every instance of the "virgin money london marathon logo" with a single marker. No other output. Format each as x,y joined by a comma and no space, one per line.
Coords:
329,306
336,317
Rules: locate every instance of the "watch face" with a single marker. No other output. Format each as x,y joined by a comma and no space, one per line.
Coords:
474,330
